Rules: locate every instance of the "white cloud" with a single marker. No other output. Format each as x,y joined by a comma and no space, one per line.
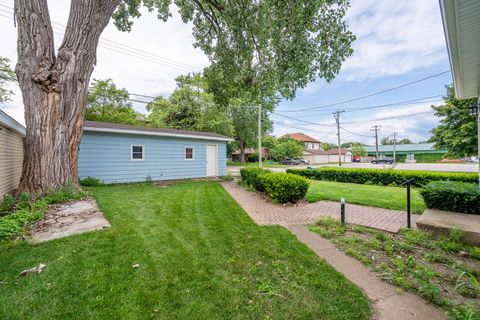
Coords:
394,37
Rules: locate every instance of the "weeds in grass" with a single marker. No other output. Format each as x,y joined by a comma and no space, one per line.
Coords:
417,261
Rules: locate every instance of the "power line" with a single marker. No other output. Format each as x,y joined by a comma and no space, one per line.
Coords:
304,121
357,134
130,51
372,94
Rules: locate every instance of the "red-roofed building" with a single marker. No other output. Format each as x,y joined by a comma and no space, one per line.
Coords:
310,143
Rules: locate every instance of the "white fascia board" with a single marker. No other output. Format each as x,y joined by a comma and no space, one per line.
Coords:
151,133
449,13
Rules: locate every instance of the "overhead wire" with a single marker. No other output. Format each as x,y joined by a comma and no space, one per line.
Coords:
372,94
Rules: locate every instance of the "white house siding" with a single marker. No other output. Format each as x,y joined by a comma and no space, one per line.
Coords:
334,158
11,159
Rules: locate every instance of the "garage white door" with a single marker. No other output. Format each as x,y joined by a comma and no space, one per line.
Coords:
211,160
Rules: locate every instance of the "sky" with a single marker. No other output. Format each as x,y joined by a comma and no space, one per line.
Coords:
398,42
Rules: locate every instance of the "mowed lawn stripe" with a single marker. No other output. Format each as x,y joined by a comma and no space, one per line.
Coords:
369,195
200,257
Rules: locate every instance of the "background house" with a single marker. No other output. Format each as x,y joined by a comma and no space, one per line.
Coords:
408,152
309,142
346,155
123,153
248,154
12,134
314,156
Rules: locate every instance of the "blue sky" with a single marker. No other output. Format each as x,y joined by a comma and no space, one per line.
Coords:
397,42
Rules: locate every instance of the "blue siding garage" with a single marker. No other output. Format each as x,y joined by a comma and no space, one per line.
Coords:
120,153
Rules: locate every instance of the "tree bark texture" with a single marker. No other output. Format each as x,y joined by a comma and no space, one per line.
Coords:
242,151
55,87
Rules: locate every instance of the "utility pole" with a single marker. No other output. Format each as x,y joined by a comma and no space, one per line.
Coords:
376,128
394,145
259,136
336,115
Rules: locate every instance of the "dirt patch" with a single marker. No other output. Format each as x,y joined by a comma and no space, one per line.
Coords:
68,219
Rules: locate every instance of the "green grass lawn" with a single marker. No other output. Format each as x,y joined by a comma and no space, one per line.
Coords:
200,257
369,195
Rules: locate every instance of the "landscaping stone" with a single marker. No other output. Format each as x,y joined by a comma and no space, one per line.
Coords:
68,219
441,222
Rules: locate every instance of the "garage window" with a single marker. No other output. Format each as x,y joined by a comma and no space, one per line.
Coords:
138,153
189,153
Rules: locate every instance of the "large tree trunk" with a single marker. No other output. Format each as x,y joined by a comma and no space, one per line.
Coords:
55,87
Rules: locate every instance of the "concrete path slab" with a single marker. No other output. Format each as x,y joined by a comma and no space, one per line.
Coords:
68,219
388,304
264,212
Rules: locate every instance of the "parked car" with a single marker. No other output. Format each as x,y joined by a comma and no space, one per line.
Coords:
290,162
302,161
388,160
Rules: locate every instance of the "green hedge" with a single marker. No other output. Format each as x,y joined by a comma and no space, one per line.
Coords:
452,196
382,176
280,187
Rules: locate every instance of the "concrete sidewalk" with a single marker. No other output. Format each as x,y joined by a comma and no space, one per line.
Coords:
386,301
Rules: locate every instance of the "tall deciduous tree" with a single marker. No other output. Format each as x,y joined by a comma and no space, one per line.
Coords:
190,107
265,48
245,123
457,132
6,75
108,103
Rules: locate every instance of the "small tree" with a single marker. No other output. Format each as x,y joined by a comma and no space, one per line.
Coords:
359,150
108,103
457,132
6,75
286,148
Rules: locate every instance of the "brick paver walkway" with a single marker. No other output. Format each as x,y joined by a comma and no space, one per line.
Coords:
264,212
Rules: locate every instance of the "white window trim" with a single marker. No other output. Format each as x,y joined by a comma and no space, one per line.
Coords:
131,152
185,153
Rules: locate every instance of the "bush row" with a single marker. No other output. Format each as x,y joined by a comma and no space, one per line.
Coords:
452,196
18,212
382,176
280,187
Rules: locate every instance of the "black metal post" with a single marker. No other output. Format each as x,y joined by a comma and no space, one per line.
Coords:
342,210
408,205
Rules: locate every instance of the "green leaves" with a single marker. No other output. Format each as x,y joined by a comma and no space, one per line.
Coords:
108,103
452,196
286,148
458,129
6,75
382,176
260,49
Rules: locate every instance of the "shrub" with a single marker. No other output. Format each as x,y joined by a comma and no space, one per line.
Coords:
284,187
91,182
7,204
382,176
280,187
452,196
250,177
